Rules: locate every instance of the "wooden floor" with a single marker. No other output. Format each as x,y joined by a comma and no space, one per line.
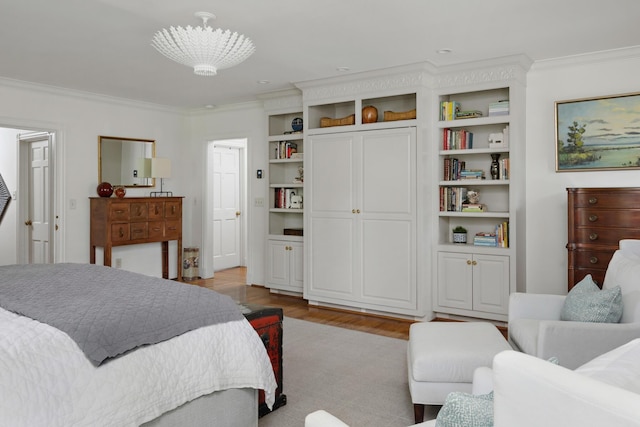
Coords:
232,282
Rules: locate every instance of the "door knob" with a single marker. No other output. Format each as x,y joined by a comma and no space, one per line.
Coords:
237,213
28,222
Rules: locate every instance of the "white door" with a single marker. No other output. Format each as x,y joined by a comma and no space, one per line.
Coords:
36,200
226,207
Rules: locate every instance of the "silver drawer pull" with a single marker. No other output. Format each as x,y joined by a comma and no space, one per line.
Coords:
593,260
593,236
593,200
593,217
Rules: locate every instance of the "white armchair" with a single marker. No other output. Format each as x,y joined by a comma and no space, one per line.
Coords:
535,327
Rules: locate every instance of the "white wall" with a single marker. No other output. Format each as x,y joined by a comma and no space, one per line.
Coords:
78,119
569,78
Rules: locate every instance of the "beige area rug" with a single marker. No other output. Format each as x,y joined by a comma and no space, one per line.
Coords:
360,378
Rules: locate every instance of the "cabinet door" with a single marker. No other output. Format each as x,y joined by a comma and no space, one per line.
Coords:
491,283
455,280
278,262
386,218
330,211
296,265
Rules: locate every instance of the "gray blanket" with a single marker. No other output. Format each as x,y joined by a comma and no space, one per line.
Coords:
109,311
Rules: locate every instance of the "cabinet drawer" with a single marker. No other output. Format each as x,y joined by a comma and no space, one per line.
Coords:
172,210
119,212
156,229
139,211
608,218
120,232
172,229
156,210
604,236
607,199
139,230
592,259
580,273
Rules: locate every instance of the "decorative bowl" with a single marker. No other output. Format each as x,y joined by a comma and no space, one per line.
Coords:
104,189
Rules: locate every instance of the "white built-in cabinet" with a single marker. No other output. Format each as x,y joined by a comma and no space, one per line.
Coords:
361,219
285,269
284,242
474,282
472,279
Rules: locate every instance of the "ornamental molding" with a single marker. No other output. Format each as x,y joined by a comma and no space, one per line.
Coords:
474,77
284,103
368,86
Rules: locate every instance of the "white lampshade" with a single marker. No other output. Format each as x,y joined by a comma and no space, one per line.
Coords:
160,167
144,167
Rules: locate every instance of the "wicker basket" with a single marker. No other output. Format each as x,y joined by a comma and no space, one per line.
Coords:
326,122
390,116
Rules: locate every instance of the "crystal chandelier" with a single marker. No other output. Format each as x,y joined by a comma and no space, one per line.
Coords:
203,48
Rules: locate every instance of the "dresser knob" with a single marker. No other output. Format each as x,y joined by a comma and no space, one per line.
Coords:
593,200
593,218
593,236
593,260
121,233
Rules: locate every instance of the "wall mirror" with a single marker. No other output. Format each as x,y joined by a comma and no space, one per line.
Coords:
125,161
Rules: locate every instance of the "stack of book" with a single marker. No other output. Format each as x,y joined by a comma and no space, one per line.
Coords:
456,139
500,108
448,110
485,239
473,207
468,114
452,169
285,149
472,174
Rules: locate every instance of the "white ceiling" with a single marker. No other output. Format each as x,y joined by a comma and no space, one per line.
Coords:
104,46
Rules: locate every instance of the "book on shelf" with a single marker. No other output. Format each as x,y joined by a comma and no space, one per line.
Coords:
451,198
468,114
473,207
285,149
500,108
448,110
456,139
284,198
472,174
452,168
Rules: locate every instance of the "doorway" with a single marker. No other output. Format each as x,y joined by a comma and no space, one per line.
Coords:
36,224
225,216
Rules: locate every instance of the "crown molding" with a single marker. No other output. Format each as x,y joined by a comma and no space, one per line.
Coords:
622,54
87,96
503,69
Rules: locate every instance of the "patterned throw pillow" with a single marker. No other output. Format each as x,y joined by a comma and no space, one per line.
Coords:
587,303
466,410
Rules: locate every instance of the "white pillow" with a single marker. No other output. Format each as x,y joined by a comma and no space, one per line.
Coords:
624,271
619,367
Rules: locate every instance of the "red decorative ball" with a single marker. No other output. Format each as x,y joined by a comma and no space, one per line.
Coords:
120,192
104,189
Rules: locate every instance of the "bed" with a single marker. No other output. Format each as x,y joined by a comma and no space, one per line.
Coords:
82,344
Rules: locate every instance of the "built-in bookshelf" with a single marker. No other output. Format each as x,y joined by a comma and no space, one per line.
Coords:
477,180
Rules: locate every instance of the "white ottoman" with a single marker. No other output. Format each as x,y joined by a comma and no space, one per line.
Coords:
443,355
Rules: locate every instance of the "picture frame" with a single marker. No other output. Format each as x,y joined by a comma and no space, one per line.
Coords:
4,197
598,134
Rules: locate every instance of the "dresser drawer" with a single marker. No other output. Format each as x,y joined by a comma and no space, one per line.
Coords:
139,211
172,229
120,232
119,211
139,230
608,218
604,236
156,229
620,199
598,259
156,210
580,273
172,210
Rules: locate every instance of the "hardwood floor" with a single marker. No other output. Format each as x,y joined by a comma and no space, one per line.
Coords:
232,282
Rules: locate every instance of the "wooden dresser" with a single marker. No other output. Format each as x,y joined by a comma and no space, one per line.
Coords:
135,220
598,219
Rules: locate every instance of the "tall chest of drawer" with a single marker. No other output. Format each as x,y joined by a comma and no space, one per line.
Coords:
135,220
598,218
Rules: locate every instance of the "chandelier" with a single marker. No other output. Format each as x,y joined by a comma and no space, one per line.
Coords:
203,48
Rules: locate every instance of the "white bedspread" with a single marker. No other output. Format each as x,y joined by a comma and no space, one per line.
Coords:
46,380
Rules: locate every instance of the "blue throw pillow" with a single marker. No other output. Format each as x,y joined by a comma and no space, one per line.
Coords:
466,410
587,303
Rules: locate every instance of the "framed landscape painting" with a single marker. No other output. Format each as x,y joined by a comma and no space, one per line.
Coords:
598,133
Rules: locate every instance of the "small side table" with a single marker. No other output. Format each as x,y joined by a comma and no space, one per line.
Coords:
267,321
